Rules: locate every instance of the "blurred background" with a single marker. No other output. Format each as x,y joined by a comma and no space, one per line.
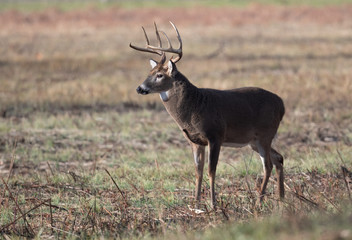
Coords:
76,52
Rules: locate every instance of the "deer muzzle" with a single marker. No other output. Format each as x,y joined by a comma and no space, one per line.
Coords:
141,90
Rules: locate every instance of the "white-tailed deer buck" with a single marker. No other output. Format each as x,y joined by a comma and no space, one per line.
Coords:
215,118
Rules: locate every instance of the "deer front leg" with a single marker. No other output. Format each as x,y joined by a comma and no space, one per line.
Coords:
198,155
213,157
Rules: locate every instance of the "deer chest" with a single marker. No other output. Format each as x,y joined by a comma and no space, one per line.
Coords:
196,138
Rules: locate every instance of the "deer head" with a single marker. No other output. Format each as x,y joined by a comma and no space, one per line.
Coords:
160,78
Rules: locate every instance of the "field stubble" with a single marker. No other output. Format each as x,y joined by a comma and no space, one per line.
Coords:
69,110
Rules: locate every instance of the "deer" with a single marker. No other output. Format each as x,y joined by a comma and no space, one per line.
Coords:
215,118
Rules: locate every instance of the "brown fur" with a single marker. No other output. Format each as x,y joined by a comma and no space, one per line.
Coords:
210,117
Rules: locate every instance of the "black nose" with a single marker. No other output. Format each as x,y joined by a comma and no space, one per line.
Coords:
139,89
142,91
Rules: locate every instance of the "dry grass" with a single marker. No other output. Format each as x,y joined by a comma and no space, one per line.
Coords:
69,110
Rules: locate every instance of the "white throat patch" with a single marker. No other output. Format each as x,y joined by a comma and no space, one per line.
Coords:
164,96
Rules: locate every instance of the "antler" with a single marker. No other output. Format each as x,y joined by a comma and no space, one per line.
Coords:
160,50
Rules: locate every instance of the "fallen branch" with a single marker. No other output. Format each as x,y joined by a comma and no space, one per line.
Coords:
123,196
301,197
24,214
18,207
54,206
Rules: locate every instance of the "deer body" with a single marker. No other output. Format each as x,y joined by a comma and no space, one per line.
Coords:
236,116
215,118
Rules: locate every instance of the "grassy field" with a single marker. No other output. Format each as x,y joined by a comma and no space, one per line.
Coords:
82,155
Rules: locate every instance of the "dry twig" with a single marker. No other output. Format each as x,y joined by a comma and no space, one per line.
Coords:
113,180
23,215
18,207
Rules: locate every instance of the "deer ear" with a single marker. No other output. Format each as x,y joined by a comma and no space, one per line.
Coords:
170,67
153,63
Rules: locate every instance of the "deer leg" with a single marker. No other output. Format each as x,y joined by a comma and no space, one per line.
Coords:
264,151
198,155
278,161
213,157
268,167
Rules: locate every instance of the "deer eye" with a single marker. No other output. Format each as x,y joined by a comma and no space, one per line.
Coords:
159,75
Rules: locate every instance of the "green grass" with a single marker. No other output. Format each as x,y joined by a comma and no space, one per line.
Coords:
159,181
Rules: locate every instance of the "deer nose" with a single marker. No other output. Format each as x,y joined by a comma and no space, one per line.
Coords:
141,90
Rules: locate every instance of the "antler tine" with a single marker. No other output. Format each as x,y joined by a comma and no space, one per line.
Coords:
148,48
180,47
157,35
178,35
145,35
170,48
168,40
160,50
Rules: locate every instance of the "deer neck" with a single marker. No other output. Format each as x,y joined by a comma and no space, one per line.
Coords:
180,101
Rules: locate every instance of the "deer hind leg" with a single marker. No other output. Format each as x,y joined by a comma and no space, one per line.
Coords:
213,157
198,155
278,161
264,151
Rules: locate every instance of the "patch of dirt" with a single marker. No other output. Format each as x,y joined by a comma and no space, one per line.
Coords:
255,14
